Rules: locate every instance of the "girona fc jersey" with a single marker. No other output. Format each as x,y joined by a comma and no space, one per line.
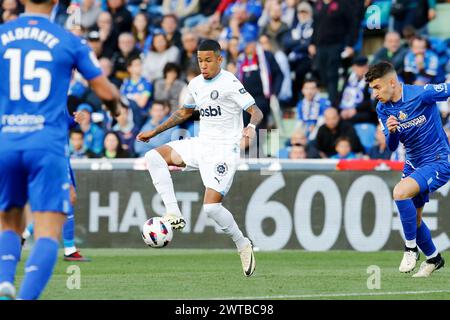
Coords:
220,102
36,62
420,126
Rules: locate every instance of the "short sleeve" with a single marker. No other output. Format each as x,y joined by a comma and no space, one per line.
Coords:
85,60
435,92
189,101
382,119
240,96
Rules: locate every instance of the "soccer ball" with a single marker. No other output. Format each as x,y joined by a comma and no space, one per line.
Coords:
156,232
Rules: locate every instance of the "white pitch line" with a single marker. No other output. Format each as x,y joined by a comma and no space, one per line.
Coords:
329,295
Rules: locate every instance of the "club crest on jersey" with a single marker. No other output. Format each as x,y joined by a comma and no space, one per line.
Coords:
214,94
221,169
438,87
402,116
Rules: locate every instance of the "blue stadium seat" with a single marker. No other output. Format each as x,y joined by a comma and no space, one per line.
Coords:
366,133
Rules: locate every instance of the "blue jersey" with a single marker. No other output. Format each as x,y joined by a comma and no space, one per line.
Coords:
420,127
36,61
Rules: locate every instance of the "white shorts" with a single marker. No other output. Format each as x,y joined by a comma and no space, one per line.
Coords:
217,163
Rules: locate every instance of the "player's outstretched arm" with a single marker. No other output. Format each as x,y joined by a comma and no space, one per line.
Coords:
179,116
107,92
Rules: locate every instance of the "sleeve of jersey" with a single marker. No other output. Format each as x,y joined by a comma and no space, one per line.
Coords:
241,96
392,140
437,92
189,101
85,61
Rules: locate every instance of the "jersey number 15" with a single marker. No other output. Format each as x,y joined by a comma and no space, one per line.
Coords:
30,72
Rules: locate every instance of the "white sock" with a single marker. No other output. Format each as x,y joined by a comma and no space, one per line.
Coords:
26,234
411,243
159,171
225,220
435,253
69,250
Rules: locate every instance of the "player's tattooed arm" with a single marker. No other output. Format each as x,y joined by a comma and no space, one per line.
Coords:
256,114
179,116
249,132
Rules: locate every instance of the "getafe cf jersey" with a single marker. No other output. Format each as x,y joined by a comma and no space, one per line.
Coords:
36,62
220,101
420,126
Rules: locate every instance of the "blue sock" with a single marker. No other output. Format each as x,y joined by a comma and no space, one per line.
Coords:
39,268
69,230
30,228
408,216
10,247
424,240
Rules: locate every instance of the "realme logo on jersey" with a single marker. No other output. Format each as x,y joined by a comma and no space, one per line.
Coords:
210,112
31,33
22,122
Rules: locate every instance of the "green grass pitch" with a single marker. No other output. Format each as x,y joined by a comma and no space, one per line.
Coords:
216,274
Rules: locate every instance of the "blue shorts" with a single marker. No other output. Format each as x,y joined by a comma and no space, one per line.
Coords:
37,176
430,177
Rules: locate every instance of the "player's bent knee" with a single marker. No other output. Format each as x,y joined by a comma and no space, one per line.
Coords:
401,193
212,209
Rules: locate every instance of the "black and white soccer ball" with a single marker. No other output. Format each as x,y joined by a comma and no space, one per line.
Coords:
156,232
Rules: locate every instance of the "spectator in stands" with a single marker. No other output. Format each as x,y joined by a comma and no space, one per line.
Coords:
275,28
356,105
421,64
252,7
298,137
333,39
297,151
136,88
189,52
331,130
296,43
90,10
76,145
158,114
181,8
392,52
288,9
261,76
93,134
343,149
127,51
169,88
9,10
285,94
416,13
169,25
126,130
112,147
231,55
160,54
206,10
94,42
380,149
240,27
121,17
311,108
141,33
108,34
106,66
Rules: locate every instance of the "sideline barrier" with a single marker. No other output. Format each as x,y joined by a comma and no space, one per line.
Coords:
280,205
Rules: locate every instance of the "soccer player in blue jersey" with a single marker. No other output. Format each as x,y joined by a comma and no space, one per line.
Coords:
70,251
36,61
408,114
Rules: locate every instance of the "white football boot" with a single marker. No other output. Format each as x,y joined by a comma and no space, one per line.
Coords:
248,260
7,291
177,222
410,258
429,266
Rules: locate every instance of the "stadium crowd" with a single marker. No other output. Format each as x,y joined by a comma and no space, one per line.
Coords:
308,54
